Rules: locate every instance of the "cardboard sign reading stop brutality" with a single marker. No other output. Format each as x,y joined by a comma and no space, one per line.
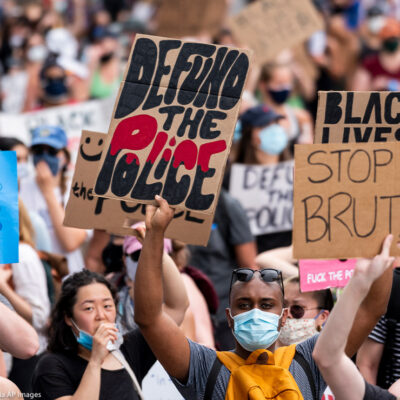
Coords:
173,123
86,211
269,26
357,117
346,199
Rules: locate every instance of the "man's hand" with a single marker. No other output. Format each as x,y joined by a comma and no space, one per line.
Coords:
367,271
158,218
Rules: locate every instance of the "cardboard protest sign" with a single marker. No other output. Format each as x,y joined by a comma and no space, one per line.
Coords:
173,123
269,26
9,215
93,115
266,194
357,117
324,274
346,199
179,18
86,211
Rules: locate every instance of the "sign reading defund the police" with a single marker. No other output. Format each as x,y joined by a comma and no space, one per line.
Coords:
266,194
346,199
357,117
173,123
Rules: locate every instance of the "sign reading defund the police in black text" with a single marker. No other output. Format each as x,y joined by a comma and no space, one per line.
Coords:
266,194
173,123
357,117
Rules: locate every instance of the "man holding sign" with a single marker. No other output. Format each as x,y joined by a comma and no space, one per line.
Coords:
256,301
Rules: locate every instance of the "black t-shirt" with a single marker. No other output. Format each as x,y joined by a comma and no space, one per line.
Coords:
373,392
58,375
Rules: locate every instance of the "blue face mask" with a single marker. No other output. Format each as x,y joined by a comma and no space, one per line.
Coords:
52,161
256,329
84,338
279,96
237,133
273,139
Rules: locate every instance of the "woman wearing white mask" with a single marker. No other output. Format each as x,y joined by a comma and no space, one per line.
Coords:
308,312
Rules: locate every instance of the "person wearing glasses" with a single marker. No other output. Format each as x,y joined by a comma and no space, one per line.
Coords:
47,194
256,315
307,312
339,372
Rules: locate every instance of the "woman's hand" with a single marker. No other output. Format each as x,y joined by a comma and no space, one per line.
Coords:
369,270
105,333
44,178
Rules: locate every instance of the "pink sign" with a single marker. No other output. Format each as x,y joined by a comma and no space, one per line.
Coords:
323,274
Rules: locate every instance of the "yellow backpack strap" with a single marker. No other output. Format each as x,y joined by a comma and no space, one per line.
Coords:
230,360
284,356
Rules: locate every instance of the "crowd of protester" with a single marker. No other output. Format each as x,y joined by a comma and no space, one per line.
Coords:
86,314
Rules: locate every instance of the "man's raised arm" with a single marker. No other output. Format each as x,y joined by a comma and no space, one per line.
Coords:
166,340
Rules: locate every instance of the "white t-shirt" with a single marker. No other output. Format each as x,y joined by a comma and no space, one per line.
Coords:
34,201
30,283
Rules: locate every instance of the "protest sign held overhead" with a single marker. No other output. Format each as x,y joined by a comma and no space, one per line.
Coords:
86,211
270,26
324,274
179,18
346,199
266,194
9,216
357,117
173,123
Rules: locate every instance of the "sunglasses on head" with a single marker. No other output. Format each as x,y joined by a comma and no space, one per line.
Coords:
267,275
298,311
39,150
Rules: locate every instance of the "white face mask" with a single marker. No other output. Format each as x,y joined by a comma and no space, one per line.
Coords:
37,53
297,330
375,24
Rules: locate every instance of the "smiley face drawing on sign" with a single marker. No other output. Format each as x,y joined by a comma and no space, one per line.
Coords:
89,144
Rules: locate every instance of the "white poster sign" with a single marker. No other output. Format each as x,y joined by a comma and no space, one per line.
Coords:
266,194
93,115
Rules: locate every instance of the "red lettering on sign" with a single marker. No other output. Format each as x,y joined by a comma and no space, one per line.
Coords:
186,152
207,150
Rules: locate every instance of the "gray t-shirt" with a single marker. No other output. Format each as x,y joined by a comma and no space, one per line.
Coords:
202,359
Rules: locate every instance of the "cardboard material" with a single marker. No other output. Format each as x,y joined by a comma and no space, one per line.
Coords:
266,194
346,199
173,123
86,211
357,117
269,26
179,18
324,274
9,216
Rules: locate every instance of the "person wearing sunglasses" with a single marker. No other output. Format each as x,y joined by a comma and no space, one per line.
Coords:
340,373
47,193
256,315
308,312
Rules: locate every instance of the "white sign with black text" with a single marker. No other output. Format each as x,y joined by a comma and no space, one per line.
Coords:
266,194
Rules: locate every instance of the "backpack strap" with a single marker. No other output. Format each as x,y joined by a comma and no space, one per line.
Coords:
212,379
306,367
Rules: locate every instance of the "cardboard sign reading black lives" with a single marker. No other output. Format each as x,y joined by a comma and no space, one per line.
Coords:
86,211
357,117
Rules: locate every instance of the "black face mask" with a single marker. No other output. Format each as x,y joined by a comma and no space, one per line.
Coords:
390,45
105,58
112,258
